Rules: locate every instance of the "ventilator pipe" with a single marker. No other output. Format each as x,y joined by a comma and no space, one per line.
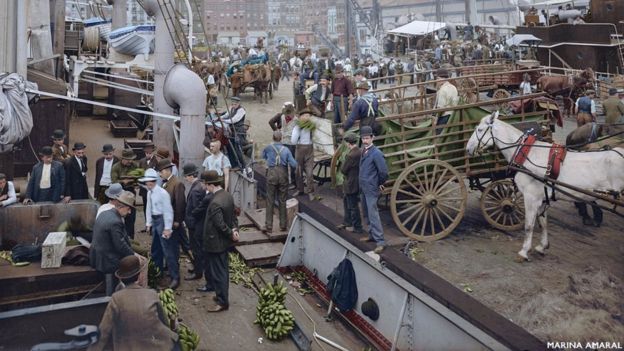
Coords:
185,90
163,61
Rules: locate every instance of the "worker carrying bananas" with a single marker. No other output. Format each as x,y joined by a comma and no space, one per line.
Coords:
134,318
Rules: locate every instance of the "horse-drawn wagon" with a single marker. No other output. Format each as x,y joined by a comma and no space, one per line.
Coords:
428,169
259,76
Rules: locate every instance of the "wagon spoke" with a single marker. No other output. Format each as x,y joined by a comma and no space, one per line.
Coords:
414,186
450,198
439,220
447,192
444,213
409,208
422,185
500,213
516,217
437,184
426,176
431,224
409,218
434,180
449,207
408,201
424,224
415,196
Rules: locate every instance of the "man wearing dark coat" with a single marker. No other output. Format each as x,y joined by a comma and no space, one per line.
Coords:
47,179
76,187
199,214
110,241
350,187
193,199
220,231
103,172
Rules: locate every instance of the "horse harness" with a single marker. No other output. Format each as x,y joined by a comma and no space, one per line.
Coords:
556,156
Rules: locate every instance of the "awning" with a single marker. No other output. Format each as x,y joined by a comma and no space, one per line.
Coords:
418,28
523,38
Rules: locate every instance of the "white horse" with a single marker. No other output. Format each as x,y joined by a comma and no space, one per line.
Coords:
600,171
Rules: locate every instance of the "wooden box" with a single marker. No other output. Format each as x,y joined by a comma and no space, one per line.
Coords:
123,129
53,249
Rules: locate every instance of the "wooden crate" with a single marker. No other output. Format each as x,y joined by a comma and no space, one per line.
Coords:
53,249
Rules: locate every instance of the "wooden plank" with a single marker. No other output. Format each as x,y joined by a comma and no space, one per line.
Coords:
258,217
249,237
260,254
245,222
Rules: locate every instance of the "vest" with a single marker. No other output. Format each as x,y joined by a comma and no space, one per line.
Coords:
5,190
316,95
584,104
239,127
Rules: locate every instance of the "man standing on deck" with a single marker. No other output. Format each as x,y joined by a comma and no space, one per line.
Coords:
277,157
76,187
60,151
47,179
350,186
193,199
218,161
103,168
149,161
171,246
119,174
342,88
302,137
373,174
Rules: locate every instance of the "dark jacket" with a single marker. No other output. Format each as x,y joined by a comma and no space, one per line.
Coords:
75,183
365,110
373,171
110,242
316,95
134,320
199,212
151,163
219,222
351,169
99,169
175,188
57,182
193,199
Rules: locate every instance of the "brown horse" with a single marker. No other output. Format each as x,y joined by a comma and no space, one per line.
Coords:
569,86
276,75
260,78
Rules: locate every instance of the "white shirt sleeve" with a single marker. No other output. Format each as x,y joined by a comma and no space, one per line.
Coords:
148,209
593,107
310,90
294,138
12,198
167,210
226,162
211,80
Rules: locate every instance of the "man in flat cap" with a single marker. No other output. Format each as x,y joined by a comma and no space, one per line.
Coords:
613,108
47,179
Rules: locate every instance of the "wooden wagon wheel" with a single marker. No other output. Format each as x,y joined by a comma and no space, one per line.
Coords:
501,94
428,200
503,205
322,171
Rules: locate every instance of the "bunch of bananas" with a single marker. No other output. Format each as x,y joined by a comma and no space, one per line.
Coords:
240,272
276,320
167,300
153,274
188,338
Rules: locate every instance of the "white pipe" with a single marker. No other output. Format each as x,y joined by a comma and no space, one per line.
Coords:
21,47
190,28
185,90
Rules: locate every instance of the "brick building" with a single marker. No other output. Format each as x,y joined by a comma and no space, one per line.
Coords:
234,16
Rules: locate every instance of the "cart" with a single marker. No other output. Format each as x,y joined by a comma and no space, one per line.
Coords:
430,173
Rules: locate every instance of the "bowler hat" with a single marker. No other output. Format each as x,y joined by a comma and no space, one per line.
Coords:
350,138
129,267
211,177
162,152
113,191
46,151
164,164
108,148
442,73
128,154
149,176
58,134
366,131
189,169
79,146
126,198
370,309
148,146
363,85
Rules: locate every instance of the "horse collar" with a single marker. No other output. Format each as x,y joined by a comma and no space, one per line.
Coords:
523,149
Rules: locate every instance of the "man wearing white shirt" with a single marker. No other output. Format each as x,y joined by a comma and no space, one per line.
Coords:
304,152
217,161
159,216
446,96
7,192
103,177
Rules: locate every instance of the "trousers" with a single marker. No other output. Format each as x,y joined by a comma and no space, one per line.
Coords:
304,155
371,212
352,217
165,249
217,267
340,115
197,245
277,187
